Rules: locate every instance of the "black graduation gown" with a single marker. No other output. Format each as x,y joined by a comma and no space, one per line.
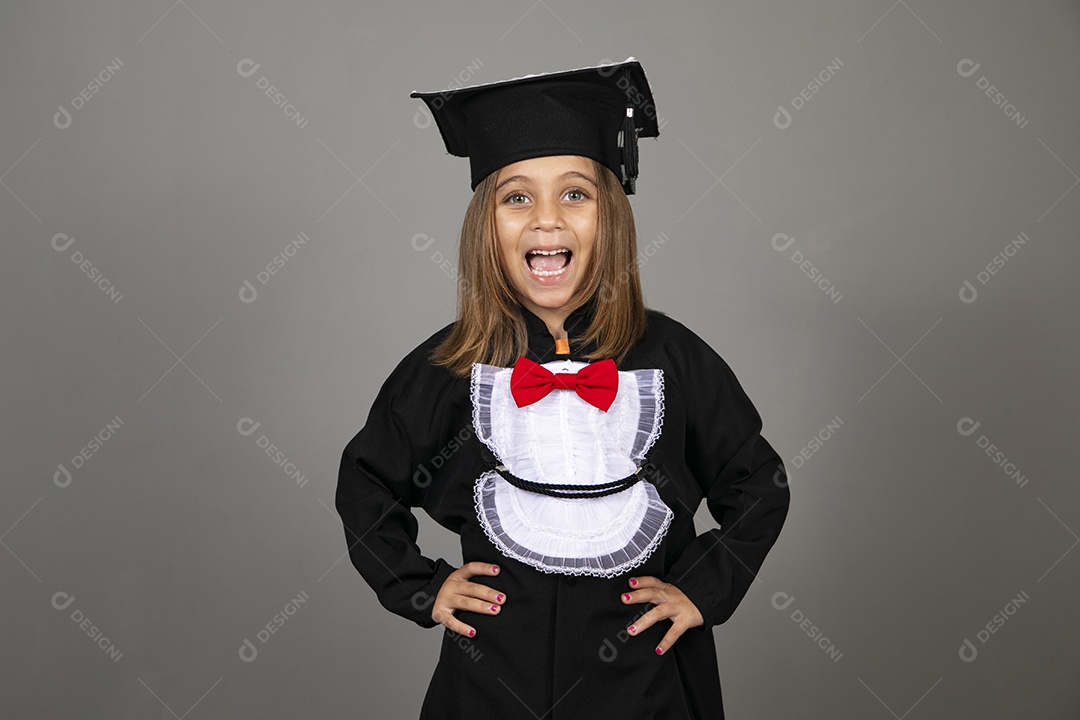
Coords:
558,647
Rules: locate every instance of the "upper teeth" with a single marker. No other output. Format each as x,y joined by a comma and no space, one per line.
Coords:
548,252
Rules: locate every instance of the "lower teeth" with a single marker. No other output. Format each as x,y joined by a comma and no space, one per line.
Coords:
547,273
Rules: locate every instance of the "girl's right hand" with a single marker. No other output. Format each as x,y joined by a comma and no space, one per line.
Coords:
457,593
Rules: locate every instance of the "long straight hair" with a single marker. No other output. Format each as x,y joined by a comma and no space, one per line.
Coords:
489,327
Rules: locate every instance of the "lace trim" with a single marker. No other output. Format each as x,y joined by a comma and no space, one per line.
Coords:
481,380
633,424
561,439
651,392
648,535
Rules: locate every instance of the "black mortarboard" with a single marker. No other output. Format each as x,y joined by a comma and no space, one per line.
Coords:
597,112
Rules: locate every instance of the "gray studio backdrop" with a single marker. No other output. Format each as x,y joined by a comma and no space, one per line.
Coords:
223,225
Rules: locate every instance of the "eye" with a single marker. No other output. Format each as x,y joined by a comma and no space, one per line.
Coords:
509,199
582,195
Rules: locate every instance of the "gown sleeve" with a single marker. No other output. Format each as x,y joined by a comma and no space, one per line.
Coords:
742,481
380,480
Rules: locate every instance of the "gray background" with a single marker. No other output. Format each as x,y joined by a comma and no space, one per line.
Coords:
179,180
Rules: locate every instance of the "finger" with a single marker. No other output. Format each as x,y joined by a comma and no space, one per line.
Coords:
644,581
483,592
476,605
446,618
464,588
649,594
647,620
444,613
477,568
673,634
675,602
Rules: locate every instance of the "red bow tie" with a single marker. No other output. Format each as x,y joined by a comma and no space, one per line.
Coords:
596,383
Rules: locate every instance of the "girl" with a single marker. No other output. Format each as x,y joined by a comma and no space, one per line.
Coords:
566,432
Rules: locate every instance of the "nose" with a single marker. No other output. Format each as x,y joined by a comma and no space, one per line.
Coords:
547,214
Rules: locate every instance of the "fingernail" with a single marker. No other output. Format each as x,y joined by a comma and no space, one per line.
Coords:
632,629
499,597
471,632
659,651
494,568
626,597
633,581
494,608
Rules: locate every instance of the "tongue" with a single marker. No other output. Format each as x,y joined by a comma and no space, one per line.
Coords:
547,263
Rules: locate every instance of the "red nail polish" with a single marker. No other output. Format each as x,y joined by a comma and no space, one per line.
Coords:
626,597
499,597
659,651
471,632
633,581
632,629
494,608
494,568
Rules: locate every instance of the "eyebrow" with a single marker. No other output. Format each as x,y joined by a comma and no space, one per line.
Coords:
570,173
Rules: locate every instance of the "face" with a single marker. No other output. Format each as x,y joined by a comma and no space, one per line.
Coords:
545,219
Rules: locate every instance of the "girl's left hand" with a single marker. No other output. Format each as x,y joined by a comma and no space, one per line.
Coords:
670,603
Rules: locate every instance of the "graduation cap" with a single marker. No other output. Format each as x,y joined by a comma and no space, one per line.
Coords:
597,112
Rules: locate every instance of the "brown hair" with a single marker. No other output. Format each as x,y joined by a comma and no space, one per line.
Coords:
489,327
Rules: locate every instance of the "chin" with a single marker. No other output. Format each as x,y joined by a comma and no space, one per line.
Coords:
550,299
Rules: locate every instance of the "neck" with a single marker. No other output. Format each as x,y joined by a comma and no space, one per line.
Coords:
554,319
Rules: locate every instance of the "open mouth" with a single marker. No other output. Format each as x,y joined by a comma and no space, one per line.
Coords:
548,263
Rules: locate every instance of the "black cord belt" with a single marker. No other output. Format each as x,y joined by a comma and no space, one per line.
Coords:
569,490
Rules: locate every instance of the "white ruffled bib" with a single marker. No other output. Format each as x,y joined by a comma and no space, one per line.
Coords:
561,439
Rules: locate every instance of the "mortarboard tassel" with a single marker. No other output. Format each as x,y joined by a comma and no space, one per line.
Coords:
629,151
